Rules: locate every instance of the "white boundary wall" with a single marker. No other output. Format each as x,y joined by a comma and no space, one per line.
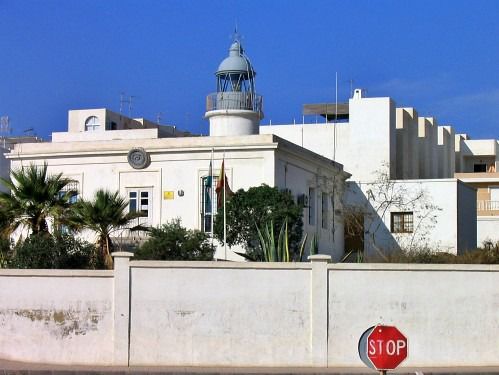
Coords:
247,314
487,229
56,316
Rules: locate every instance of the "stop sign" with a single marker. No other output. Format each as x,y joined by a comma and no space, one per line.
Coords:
386,347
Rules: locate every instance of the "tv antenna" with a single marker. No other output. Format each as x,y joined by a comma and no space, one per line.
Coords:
5,125
124,99
159,117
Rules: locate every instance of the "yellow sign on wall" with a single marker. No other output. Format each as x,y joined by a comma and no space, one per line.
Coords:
168,195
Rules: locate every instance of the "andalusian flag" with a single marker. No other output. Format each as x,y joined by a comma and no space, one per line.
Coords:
223,188
208,182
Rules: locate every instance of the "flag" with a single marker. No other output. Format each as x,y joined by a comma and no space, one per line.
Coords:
222,185
208,190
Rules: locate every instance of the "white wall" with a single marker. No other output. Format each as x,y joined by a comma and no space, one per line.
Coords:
4,167
440,223
487,229
248,314
56,316
363,144
297,175
223,316
448,313
104,135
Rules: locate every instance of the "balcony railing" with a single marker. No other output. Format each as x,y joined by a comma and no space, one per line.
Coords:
234,100
487,205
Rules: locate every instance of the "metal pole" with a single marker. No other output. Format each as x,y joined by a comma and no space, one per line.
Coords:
212,190
225,212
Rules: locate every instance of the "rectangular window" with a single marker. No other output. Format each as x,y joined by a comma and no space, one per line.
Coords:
324,211
494,193
140,201
311,206
402,222
208,201
72,186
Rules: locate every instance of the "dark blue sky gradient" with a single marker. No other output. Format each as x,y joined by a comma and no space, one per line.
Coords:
441,57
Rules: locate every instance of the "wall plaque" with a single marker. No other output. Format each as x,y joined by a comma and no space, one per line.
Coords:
138,158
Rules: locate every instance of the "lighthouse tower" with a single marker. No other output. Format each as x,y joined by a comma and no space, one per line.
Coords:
235,109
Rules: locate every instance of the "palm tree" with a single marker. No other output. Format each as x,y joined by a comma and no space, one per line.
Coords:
34,197
105,214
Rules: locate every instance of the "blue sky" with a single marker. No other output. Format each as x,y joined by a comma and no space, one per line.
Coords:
441,57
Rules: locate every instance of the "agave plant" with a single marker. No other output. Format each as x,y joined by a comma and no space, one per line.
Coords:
274,251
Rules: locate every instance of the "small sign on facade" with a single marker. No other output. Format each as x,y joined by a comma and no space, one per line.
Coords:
168,195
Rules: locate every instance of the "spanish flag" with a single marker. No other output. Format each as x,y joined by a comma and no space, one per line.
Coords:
223,188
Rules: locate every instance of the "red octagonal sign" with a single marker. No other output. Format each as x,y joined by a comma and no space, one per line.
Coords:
386,347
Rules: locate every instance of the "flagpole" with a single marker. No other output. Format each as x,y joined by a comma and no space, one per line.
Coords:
225,212
212,190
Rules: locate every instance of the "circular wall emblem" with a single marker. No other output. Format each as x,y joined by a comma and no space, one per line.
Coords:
138,158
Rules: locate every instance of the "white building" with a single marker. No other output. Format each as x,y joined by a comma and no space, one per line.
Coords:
163,175
386,149
477,164
402,168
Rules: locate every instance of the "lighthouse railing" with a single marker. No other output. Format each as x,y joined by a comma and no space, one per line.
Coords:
234,100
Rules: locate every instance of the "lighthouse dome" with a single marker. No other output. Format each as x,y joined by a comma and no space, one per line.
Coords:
236,62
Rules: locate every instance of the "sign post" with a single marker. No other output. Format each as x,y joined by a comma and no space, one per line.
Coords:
383,348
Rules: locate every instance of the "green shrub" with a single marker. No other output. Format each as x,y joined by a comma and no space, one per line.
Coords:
248,210
5,250
486,255
49,252
172,241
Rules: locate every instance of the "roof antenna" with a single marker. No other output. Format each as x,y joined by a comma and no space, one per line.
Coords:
122,101
5,125
236,36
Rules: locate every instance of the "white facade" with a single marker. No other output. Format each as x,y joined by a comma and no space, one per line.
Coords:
478,166
414,215
381,141
170,186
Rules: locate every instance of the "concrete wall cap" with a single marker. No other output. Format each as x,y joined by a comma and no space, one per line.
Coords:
319,258
165,264
122,254
414,267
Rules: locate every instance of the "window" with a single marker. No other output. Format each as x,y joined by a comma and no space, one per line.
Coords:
402,222
324,210
494,193
208,201
311,206
478,168
140,201
92,124
72,186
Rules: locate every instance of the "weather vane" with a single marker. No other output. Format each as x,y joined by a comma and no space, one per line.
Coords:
236,37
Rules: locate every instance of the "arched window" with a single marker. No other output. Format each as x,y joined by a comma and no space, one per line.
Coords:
92,124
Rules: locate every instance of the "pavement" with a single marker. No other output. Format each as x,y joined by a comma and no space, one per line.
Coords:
20,368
